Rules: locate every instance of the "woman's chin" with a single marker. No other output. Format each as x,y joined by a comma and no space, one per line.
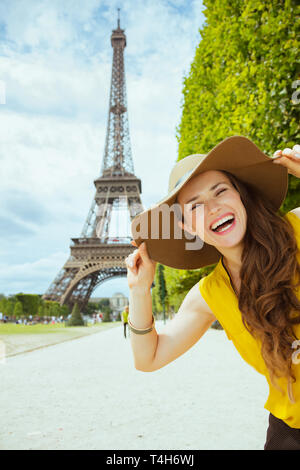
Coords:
224,241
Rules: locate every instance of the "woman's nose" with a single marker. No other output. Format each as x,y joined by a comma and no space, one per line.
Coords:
212,207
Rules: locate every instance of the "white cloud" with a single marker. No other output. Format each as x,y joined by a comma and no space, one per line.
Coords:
31,276
50,156
57,86
56,64
48,24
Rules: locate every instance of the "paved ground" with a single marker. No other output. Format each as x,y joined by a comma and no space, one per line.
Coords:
86,394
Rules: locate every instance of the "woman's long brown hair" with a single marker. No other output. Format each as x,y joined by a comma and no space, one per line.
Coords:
267,298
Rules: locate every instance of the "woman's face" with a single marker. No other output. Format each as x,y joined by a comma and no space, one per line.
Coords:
204,200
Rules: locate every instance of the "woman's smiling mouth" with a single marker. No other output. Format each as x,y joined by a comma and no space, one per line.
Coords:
223,224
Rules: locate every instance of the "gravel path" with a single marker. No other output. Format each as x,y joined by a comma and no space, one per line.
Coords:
86,394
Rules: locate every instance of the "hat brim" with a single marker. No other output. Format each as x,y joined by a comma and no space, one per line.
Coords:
239,156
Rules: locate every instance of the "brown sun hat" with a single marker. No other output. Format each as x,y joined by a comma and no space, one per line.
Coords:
239,156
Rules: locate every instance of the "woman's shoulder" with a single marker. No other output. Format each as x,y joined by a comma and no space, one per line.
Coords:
196,300
293,217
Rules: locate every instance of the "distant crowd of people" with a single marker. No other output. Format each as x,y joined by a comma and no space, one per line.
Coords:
97,318
30,320
34,319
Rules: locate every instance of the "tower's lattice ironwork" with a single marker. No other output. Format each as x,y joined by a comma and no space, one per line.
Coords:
96,256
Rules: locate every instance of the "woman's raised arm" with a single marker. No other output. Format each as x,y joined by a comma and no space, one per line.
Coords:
152,350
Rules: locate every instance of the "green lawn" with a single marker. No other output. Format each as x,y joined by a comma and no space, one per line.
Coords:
17,339
13,329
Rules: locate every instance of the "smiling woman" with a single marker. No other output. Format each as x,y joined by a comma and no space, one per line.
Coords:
268,319
230,199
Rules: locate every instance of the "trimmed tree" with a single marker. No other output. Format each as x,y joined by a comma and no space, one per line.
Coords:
76,317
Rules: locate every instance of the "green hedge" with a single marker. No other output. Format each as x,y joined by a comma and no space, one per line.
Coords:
242,80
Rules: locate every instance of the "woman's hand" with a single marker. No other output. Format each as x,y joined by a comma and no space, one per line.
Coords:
140,268
290,158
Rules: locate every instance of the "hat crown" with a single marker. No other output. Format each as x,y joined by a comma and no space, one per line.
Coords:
183,169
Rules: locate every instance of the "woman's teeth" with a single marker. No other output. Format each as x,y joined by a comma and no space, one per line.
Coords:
223,225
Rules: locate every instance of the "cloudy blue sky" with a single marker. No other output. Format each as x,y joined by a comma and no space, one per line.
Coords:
55,67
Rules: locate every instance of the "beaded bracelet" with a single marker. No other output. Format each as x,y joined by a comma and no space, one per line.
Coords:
139,331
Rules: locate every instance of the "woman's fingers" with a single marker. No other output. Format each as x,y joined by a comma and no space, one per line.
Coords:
293,153
145,256
131,259
296,150
277,153
290,158
144,252
141,254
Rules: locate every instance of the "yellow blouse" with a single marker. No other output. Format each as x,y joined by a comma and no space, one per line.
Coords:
218,293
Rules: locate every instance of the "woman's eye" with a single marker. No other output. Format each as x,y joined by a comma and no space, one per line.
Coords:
224,189
217,194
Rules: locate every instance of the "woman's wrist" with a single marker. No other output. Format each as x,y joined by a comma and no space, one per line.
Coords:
140,290
140,307
140,331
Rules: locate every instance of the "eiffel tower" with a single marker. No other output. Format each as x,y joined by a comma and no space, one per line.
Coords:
96,256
